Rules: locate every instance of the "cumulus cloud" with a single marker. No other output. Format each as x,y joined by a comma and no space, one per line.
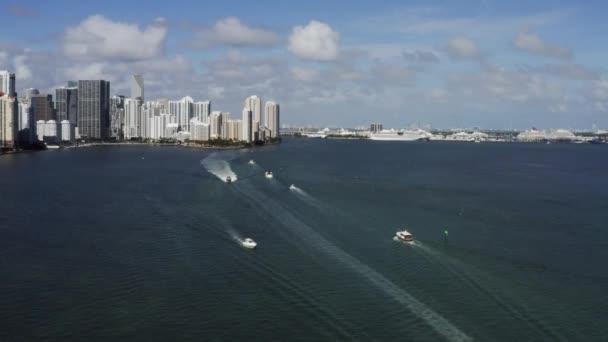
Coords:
315,41
232,32
420,56
305,75
21,68
100,38
532,43
462,48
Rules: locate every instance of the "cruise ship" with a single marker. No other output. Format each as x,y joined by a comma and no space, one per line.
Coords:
401,135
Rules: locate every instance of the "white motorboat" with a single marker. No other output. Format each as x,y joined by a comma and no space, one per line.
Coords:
248,243
268,174
251,162
228,179
404,236
292,187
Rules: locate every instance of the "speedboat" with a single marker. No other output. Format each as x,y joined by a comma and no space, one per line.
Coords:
292,187
404,236
268,174
251,162
228,179
248,243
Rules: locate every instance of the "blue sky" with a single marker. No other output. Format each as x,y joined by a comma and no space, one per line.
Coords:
490,64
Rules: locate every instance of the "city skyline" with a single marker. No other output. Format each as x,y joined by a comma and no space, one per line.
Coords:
478,63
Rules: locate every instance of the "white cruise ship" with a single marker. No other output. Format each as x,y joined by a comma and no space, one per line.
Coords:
402,135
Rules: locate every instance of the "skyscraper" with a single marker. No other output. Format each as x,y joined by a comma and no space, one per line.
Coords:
247,124
271,118
117,116
137,87
215,123
132,121
94,109
202,110
254,103
66,104
42,107
182,110
7,82
8,116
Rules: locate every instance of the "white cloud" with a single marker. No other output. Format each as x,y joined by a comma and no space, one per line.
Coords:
3,59
21,68
315,41
462,48
532,43
232,32
305,75
99,38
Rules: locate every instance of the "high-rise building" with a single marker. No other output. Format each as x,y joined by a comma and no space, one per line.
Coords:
68,131
94,109
232,130
199,131
117,116
132,120
8,118
215,123
202,110
43,108
375,127
272,118
26,126
7,82
137,87
247,125
182,110
254,103
66,104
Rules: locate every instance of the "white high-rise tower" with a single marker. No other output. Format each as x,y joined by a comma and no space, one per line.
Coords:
254,103
7,82
137,87
272,118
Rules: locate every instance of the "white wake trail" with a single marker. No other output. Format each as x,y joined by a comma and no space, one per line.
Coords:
219,168
440,324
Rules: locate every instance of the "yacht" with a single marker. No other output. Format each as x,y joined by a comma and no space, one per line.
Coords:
402,135
251,162
228,179
248,243
404,236
268,174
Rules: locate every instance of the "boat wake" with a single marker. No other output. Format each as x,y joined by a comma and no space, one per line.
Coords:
276,210
219,168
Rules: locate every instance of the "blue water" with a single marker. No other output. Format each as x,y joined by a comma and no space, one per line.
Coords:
142,243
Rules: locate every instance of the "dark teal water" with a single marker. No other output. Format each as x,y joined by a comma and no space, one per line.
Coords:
140,243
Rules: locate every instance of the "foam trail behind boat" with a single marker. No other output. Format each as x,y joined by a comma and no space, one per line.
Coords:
219,168
273,208
304,196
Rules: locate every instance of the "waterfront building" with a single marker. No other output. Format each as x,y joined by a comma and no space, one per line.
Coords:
68,131
26,127
94,109
202,110
7,83
51,132
171,130
137,87
8,118
66,104
272,119
375,127
117,117
40,128
199,131
247,125
42,107
232,130
132,118
254,103
215,123
182,110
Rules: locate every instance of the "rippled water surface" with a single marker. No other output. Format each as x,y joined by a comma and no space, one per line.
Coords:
144,243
